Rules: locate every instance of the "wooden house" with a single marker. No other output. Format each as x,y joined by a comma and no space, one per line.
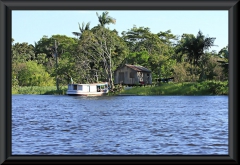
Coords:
132,75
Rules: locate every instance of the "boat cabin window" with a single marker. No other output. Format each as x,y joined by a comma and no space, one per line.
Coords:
74,87
101,88
98,89
79,87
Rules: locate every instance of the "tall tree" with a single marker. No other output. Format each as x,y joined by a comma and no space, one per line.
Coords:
82,29
22,52
150,50
105,49
45,54
167,37
195,47
105,19
224,54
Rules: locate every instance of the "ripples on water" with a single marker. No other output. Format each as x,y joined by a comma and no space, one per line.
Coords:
131,125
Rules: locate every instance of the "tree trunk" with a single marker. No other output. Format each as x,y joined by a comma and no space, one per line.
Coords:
110,70
56,54
111,76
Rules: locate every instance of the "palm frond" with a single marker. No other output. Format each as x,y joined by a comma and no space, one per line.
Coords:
76,33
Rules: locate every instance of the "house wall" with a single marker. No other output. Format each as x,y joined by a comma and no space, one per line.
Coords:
126,77
147,78
135,77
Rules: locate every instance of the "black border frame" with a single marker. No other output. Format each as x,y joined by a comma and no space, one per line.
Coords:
6,6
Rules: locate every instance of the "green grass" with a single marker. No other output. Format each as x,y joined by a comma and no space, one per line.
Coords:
48,90
186,88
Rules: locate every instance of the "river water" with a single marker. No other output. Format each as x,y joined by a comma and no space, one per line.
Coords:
119,125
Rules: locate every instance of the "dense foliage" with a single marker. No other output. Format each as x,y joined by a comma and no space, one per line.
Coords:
185,88
97,52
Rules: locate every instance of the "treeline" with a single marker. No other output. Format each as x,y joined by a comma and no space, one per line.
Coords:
97,52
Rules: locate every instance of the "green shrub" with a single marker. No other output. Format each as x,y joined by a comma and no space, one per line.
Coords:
47,90
33,74
186,88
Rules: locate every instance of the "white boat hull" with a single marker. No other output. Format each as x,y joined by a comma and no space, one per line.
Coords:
87,89
76,93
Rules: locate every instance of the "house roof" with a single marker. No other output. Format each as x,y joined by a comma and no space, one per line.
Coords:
138,68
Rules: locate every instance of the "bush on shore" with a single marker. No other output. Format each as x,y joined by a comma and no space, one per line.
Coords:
185,88
47,90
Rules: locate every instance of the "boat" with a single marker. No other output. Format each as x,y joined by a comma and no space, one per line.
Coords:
96,89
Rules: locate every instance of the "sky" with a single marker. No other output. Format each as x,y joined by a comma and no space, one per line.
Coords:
31,25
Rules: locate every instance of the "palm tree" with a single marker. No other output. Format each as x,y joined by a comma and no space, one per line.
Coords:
105,19
224,54
82,29
194,47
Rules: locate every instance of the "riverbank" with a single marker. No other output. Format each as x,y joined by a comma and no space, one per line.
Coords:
185,88
37,90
